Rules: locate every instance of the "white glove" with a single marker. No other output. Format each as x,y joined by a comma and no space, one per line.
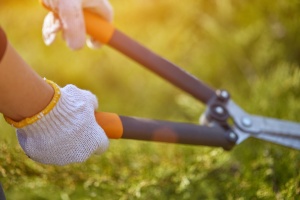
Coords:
68,17
68,133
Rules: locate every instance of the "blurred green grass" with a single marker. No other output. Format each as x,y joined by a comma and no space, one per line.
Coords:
251,48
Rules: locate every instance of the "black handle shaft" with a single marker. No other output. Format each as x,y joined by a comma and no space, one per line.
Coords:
173,132
161,66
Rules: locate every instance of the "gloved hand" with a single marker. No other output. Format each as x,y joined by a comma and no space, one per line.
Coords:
68,18
66,134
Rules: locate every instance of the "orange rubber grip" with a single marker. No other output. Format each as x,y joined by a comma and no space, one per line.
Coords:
111,124
97,27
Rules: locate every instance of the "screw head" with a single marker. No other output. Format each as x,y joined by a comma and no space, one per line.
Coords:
223,95
232,135
219,110
246,121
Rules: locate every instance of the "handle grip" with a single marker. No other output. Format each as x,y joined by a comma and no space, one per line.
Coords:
98,28
110,123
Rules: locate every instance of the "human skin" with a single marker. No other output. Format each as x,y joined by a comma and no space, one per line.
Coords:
23,93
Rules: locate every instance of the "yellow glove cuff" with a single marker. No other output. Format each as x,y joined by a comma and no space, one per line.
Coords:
31,120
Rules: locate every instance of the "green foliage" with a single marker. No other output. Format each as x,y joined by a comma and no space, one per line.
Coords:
250,48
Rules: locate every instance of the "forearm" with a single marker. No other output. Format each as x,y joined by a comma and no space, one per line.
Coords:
60,126
23,93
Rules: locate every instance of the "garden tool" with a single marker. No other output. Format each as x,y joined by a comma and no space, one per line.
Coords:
223,124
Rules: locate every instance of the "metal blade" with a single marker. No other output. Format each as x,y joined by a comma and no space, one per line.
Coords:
277,139
277,127
281,132
281,140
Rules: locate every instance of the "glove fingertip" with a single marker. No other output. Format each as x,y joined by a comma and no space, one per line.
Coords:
93,98
74,44
93,44
49,39
100,150
50,28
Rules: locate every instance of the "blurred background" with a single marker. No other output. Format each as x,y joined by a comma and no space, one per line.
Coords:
250,48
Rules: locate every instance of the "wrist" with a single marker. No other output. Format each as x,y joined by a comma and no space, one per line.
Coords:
39,115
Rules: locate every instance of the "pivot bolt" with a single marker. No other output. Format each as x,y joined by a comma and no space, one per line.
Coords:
223,95
219,110
232,136
246,121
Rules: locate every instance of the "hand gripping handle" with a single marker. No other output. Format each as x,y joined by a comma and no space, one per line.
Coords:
97,27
